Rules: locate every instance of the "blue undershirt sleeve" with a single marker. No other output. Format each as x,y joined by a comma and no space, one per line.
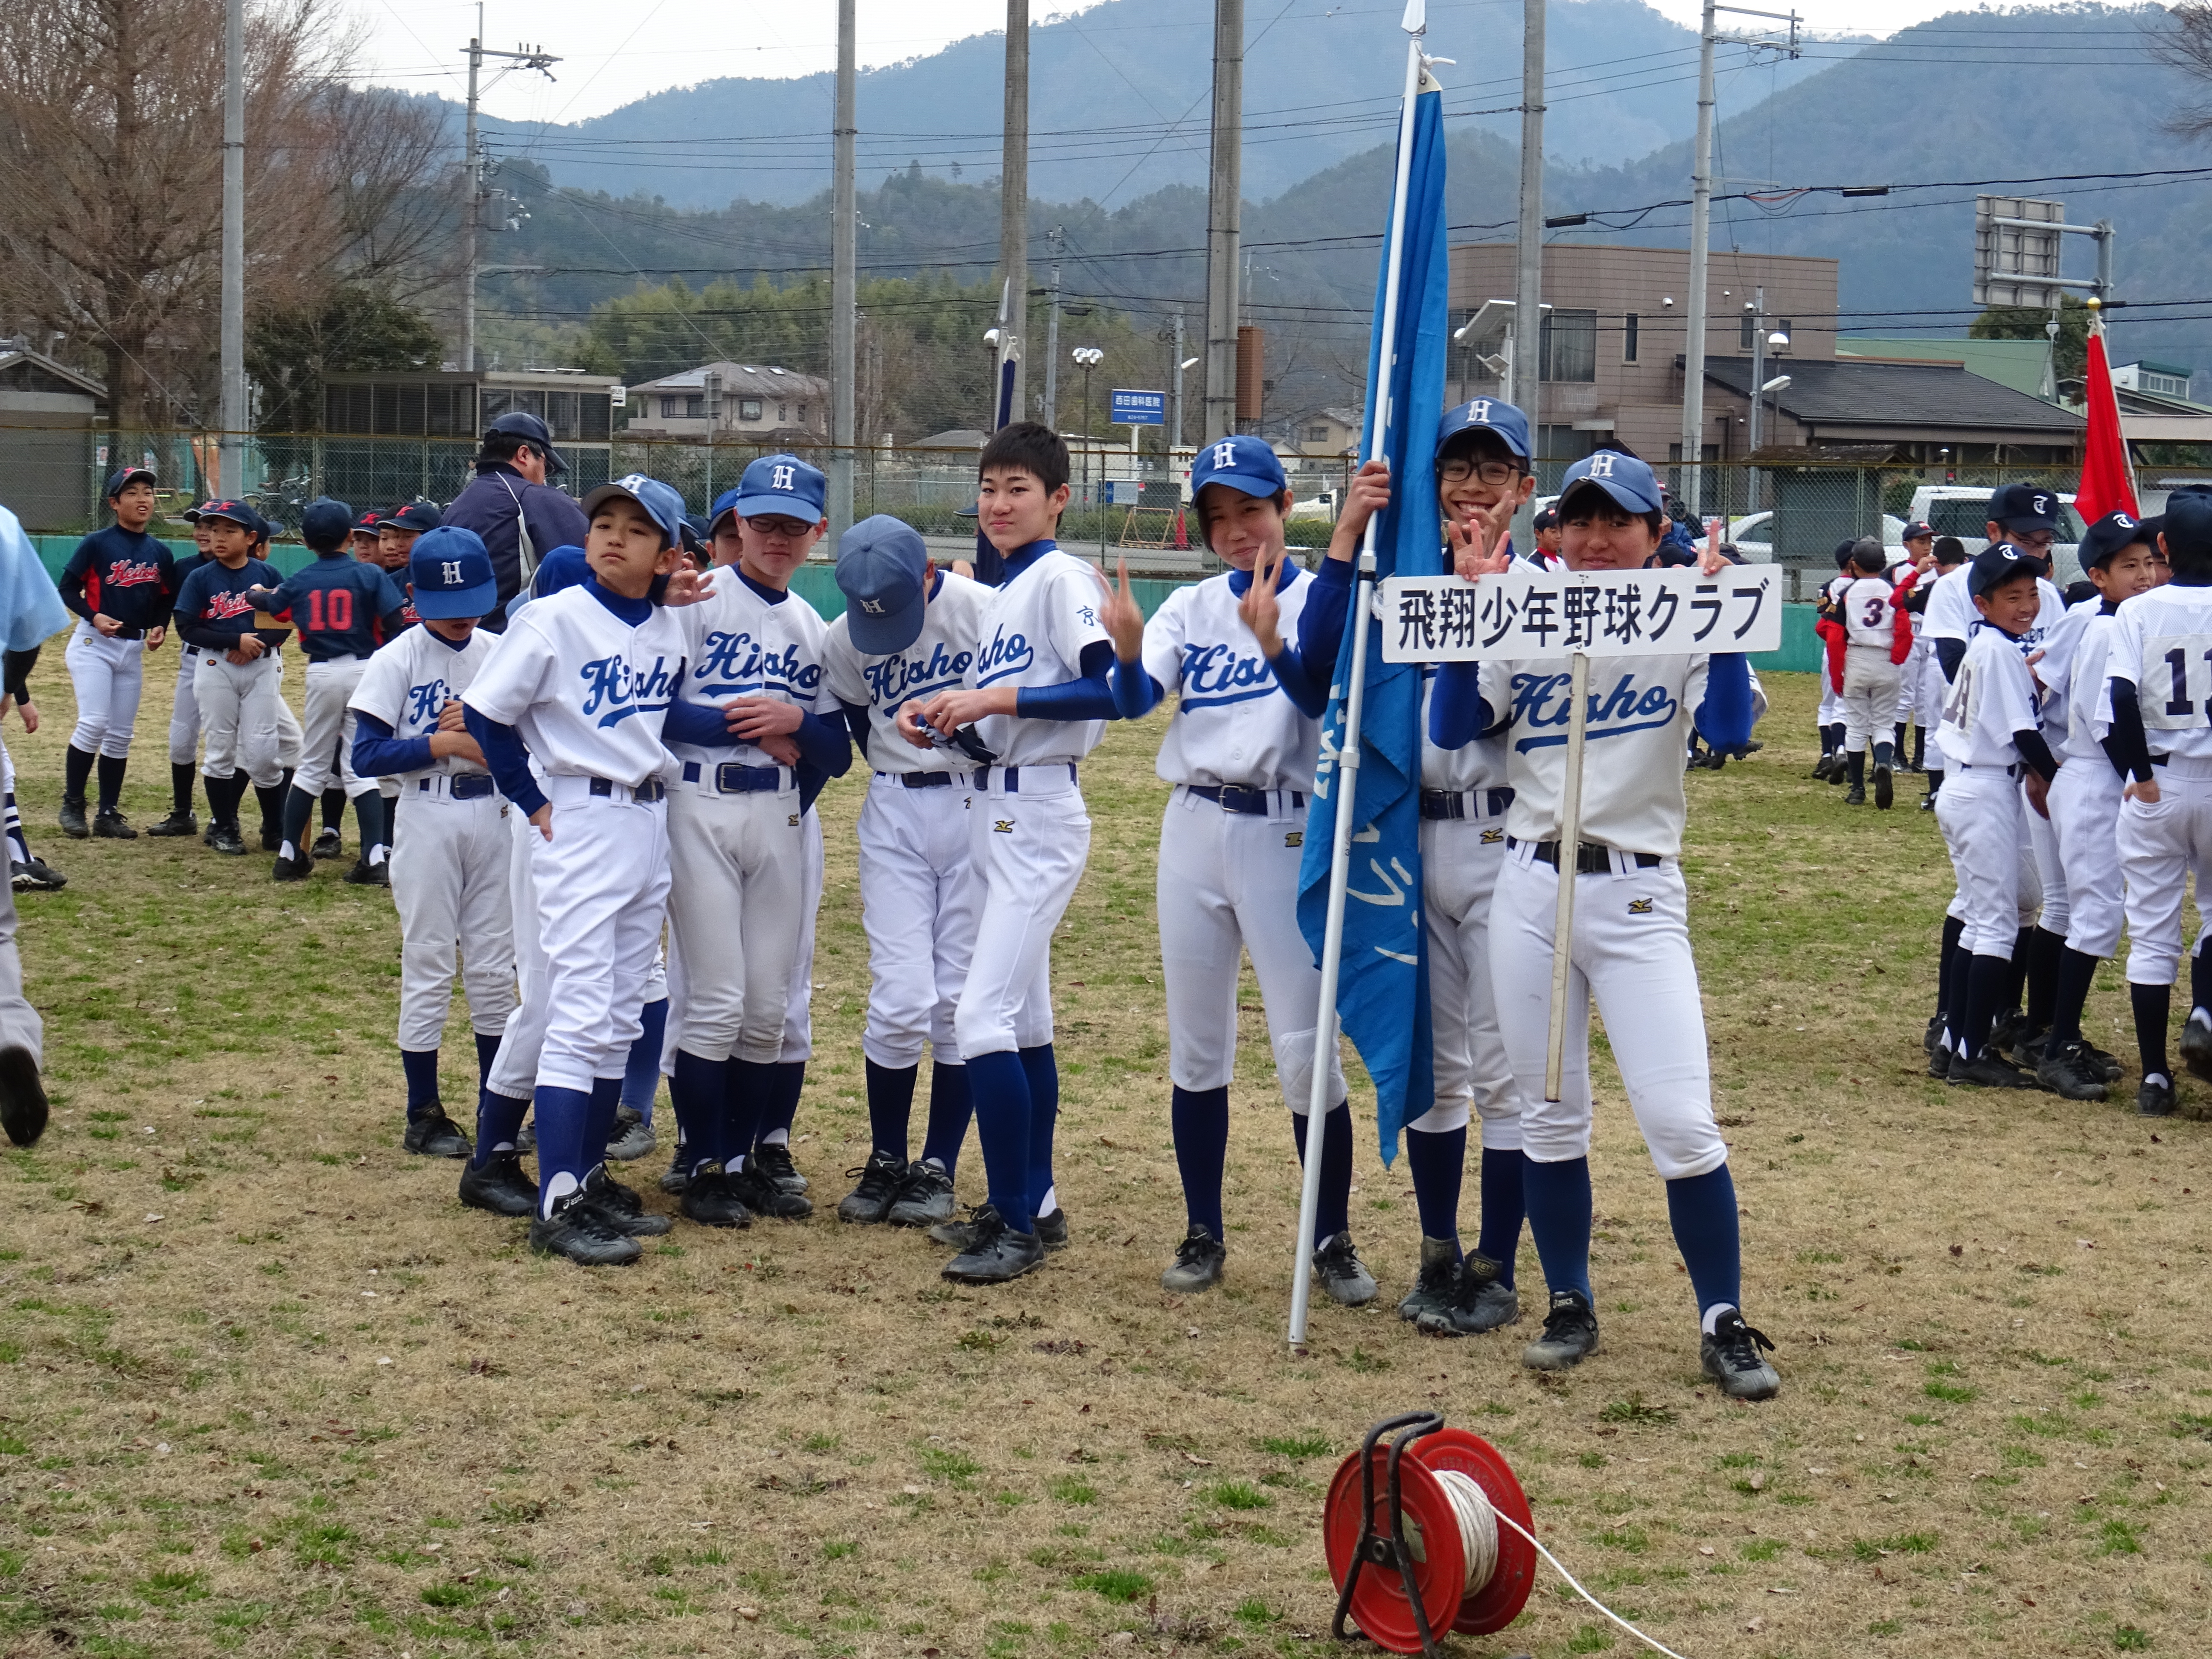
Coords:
2128,744
1724,719
856,723
508,758
1306,685
1320,624
823,743
701,724
1087,698
378,751
1950,654
1136,693
1457,713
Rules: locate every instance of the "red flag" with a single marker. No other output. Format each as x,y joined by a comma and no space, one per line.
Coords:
2107,484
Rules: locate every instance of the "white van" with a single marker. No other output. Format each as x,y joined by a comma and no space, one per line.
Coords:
1963,511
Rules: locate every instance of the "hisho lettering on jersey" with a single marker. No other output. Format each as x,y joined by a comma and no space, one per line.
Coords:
1007,654
1540,700
737,663
615,686
426,701
896,679
1217,674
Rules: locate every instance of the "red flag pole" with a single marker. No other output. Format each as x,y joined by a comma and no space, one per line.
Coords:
2108,480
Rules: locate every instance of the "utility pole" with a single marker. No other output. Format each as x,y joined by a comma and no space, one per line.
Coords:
1014,204
1758,310
1180,365
1052,335
844,280
472,172
231,443
1223,226
1525,388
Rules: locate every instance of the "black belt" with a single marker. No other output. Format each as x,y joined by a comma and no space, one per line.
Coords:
1242,798
1452,803
123,633
467,786
1591,858
1985,766
651,789
2161,760
1010,777
732,779
923,780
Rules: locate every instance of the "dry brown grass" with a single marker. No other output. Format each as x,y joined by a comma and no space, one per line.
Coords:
317,1408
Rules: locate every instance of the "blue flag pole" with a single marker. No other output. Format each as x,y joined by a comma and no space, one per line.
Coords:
1415,24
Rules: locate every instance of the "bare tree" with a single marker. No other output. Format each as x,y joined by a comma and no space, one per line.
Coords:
2186,44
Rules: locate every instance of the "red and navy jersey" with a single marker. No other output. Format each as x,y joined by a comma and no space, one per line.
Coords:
123,573
213,611
338,605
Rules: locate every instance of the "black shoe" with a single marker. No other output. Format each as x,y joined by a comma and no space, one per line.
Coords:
1855,795
2154,1100
633,1138
924,1196
1199,1261
2007,1029
709,1199
36,877
1939,1063
998,1253
2106,1066
435,1135
500,1185
225,838
773,1159
1569,1334
1822,767
72,820
1840,771
880,1178
1988,1070
272,835
1342,1274
758,1194
294,869
1435,1288
1482,1303
328,845
2196,1046
177,823
584,1234
622,1205
677,1175
2067,1071
1885,789
111,825
364,874
1927,1039
1928,801
22,1096
1730,1358
1051,1230
2027,1049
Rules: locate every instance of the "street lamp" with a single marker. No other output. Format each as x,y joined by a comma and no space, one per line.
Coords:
1086,359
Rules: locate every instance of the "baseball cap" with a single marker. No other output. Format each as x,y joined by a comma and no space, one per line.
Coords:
660,502
2025,507
1486,415
124,477
883,566
451,573
1243,463
1626,479
2000,562
415,515
238,513
368,521
325,525
777,484
191,514
1548,519
2113,532
1916,532
533,431
564,567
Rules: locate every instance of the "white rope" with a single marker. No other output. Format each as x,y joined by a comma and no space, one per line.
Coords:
1574,1585
1478,1526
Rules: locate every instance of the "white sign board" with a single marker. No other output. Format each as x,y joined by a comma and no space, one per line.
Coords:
1528,612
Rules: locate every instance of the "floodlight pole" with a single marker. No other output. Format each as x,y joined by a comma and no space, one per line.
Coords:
231,442
844,261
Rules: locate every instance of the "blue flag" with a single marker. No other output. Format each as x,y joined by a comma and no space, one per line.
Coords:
1383,991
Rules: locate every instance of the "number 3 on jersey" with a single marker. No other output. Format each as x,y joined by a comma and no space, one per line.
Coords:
2175,677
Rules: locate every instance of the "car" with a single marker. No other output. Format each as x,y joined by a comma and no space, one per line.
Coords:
1753,536
1962,510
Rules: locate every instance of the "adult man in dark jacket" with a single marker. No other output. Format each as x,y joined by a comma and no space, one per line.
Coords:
510,496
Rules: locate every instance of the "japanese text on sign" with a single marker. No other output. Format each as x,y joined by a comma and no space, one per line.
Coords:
1529,612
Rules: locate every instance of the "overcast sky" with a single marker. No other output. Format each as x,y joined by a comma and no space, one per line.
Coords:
614,54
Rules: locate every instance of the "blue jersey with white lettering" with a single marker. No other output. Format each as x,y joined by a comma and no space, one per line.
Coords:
336,603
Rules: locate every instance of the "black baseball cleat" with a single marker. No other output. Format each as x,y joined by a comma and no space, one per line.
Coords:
177,823
772,1158
2007,1029
2196,1046
2106,1066
1988,1070
1928,801
328,845
1855,795
1436,1288
2026,1047
1730,1357
633,1138
1939,1063
677,1175
272,835
1342,1274
2154,1100
1569,1334
225,838
22,1096
622,1205
1483,1303
924,1196
2067,1071
1823,766
584,1234
35,876
500,1185
109,824
71,819
871,1201
760,1195
1885,789
1051,1230
709,1199
1198,1264
435,1135
997,1252
292,869
1927,1039
364,874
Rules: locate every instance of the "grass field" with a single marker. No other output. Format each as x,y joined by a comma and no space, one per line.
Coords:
266,1388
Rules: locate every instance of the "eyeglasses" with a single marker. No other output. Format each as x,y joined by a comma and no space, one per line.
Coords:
2035,541
1496,474
777,525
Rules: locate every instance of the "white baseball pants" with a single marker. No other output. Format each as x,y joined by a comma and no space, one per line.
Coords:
290,739
2085,809
514,1068
1983,833
449,883
737,903
1459,861
1831,701
19,1025
1228,882
1869,699
2055,912
326,740
1028,849
919,898
109,676
799,1004
184,712
241,704
2161,844
1630,951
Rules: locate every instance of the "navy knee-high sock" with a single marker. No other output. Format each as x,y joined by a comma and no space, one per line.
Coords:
1952,927
1962,967
77,772
2016,986
299,807
890,1107
1558,1197
111,768
1042,1067
1334,1215
564,1123
2153,1005
180,786
699,1089
334,802
487,1052
1504,1201
421,1066
1438,1163
1703,1211
1987,980
950,1108
375,832
499,1120
747,1086
642,1070
2076,970
1199,1120
786,1080
606,1095
2044,949
1001,1089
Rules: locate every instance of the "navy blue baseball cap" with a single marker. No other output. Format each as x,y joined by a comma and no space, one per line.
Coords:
2113,532
531,431
238,513
660,502
1243,463
1917,531
2025,507
325,525
368,522
564,567
1624,478
124,477
1548,519
883,567
1999,562
415,515
451,573
780,485
1486,415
